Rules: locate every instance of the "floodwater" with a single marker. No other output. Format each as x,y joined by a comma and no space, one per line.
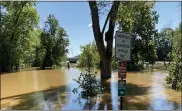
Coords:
52,90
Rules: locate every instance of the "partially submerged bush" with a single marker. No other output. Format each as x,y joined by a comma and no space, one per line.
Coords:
175,67
174,77
88,83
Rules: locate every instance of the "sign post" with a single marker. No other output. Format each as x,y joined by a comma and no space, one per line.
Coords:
123,55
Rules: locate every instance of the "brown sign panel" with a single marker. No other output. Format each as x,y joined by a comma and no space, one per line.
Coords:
122,75
122,67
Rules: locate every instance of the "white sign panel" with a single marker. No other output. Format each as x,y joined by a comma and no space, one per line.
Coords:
123,46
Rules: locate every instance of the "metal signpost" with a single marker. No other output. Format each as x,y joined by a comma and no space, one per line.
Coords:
123,55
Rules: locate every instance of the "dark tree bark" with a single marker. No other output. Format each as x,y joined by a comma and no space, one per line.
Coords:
174,85
104,52
17,67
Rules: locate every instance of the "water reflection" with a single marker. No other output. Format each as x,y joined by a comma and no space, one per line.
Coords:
45,100
159,101
106,99
53,91
114,93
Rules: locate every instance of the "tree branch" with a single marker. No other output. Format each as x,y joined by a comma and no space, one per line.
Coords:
110,32
95,16
96,29
108,16
112,10
106,22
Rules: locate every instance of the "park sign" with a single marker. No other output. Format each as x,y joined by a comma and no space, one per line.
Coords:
122,46
121,87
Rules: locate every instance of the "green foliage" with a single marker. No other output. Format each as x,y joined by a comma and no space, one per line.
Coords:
54,41
163,44
39,54
23,42
114,64
139,19
89,85
90,48
88,82
175,68
18,22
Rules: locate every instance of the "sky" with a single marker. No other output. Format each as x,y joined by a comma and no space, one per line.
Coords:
75,18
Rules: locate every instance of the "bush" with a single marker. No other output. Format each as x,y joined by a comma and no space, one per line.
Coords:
175,67
114,64
174,78
88,83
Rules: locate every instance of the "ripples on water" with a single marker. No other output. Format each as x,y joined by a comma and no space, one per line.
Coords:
144,91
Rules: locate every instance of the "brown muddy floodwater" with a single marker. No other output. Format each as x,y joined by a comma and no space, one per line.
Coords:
52,90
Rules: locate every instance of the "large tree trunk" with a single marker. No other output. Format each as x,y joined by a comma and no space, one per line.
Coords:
106,63
105,69
104,52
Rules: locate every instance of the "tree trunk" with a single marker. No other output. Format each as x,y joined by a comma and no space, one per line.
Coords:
43,67
174,85
105,69
11,67
104,52
43,64
106,63
17,67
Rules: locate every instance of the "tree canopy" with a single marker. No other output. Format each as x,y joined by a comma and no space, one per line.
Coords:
175,68
54,40
163,44
137,18
18,22
22,40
